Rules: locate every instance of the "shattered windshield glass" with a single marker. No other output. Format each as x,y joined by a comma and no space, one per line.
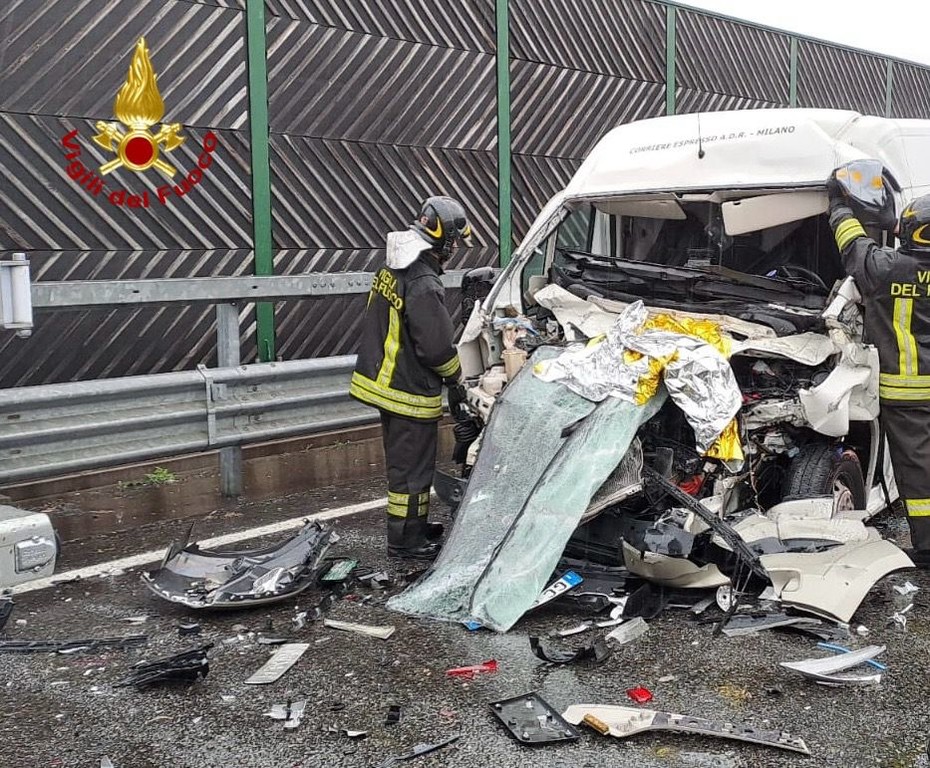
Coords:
692,263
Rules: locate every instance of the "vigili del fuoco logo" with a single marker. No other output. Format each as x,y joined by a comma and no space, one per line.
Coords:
138,107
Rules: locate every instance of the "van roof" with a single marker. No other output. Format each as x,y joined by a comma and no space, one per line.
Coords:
762,148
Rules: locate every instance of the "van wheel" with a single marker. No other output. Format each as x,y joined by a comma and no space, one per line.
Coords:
820,471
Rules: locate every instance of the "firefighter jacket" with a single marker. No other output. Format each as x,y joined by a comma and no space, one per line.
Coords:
407,349
895,288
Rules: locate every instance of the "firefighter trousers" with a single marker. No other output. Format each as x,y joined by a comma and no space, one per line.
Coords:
907,428
410,458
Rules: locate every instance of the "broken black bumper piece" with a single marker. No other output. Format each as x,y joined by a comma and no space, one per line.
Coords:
200,578
186,667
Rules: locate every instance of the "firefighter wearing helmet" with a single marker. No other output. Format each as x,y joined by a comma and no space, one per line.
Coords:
407,353
894,286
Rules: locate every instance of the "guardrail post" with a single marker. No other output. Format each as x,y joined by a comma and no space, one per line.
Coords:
228,356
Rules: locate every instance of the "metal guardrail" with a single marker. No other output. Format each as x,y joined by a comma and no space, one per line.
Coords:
55,429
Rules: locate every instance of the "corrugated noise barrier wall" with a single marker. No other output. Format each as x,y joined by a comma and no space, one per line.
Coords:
312,127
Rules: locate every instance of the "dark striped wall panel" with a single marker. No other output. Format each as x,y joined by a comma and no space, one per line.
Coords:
723,57
465,24
840,79
371,110
535,180
373,105
61,65
910,92
70,57
624,38
563,112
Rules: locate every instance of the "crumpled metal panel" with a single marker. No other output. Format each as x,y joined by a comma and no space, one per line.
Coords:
840,79
70,57
724,57
564,112
466,24
910,86
331,83
625,38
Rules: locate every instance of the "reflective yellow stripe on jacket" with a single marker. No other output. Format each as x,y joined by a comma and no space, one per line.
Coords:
918,507
447,369
391,348
394,400
847,231
907,384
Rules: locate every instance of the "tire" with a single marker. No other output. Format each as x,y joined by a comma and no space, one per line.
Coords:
820,471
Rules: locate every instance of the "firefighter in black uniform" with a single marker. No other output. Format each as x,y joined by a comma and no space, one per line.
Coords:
405,356
895,288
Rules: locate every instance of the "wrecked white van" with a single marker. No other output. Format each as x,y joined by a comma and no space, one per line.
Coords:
705,236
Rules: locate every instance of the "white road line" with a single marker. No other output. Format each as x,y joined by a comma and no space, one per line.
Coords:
124,563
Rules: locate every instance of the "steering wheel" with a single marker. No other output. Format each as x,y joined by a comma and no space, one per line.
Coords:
792,270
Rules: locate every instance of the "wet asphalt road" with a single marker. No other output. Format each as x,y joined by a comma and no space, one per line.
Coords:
65,710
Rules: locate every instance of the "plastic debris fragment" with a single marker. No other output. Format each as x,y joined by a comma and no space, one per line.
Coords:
191,628
576,630
186,667
393,715
418,751
282,660
531,720
6,609
596,651
639,694
824,670
567,582
468,673
628,721
629,631
291,713
72,646
380,632
906,588
235,578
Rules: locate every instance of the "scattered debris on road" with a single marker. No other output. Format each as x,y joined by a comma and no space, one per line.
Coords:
186,667
823,670
468,673
381,633
72,646
418,751
283,659
291,713
598,652
623,722
531,720
238,578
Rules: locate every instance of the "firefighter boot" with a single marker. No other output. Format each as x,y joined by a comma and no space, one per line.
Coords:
407,538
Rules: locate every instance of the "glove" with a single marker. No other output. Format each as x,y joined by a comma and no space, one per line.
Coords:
457,399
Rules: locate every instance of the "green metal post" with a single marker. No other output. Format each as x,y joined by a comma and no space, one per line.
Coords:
889,86
671,79
793,74
504,225
261,171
